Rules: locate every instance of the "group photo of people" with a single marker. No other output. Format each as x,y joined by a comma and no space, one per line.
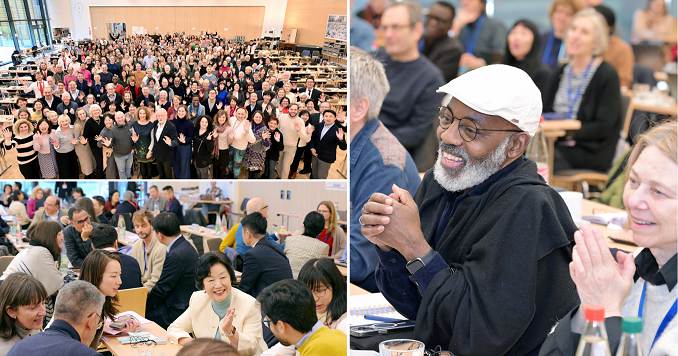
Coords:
513,177
228,261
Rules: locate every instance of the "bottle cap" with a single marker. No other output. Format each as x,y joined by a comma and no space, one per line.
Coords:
594,313
632,325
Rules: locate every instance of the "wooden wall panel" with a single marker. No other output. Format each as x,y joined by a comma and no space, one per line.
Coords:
245,21
310,18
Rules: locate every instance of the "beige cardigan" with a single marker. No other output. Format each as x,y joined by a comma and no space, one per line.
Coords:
299,249
154,261
200,320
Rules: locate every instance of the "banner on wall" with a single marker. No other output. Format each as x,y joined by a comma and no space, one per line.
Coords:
336,27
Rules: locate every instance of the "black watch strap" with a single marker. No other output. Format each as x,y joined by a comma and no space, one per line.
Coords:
419,263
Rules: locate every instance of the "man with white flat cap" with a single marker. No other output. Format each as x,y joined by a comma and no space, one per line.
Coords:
479,257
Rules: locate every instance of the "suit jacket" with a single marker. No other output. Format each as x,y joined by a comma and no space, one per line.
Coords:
174,206
201,321
106,101
445,54
315,94
210,111
299,249
326,147
55,102
170,296
250,110
162,151
263,265
131,273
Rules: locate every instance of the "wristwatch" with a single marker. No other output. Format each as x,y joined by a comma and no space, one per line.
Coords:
419,263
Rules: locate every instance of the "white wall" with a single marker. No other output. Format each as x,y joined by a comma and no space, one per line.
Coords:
274,15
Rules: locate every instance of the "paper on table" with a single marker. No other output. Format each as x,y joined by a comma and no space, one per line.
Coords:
616,218
374,304
140,318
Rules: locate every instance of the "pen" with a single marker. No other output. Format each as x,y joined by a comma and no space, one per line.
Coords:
382,318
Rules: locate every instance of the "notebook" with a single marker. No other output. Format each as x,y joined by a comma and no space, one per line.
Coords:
374,304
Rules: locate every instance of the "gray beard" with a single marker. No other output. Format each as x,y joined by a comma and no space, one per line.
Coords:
473,172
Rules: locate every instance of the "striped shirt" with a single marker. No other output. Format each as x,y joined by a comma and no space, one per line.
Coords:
562,102
24,148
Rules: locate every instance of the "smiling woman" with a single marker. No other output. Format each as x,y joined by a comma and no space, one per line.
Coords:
23,311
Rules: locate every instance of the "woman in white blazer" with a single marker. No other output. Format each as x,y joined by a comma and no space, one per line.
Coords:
220,311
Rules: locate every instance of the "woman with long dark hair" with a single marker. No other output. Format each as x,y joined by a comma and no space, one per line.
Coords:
203,146
523,50
328,286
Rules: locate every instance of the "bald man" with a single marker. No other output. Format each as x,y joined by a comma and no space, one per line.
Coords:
254,205
51,211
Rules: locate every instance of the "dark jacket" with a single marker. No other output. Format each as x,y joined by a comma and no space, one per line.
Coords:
106,101
162,151
202,149
326,148
315,94
211,111
76,248
445,54
55,103
59,339
480,247
273,152
600,116
250,110
131,272
174,206
263,265
169,297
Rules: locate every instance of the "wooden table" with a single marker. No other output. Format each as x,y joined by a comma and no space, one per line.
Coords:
118,349
355,290
343,270
553,129
7,119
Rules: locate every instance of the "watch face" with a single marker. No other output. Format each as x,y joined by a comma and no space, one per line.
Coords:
414,265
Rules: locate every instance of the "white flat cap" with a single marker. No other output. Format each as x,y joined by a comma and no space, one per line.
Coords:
499,90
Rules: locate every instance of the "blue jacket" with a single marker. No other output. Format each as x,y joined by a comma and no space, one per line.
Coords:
169,297
59,339
131,273
378,161
240,246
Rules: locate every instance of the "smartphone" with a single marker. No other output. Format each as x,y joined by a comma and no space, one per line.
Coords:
363,330
381,328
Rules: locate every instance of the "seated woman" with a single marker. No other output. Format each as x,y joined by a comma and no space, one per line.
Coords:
654,24
23,310
587,88
523,46
618,282
332,234
103,269
328,287
220,311
17,208
301,248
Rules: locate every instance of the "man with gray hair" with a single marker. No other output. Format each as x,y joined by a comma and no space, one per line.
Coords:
378,160
77,313
409,108
480,255
110,97
120,139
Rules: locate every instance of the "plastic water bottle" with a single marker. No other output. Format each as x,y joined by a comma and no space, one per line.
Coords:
593,341
63,263
217,224
122,228
538,152
630,343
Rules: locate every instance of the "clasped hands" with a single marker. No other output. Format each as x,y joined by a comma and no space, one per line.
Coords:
392,222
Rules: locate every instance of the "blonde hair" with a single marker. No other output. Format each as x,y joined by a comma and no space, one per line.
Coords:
663,137
332,224
600,29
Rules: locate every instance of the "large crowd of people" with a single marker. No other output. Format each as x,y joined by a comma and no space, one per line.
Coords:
189,295
172,106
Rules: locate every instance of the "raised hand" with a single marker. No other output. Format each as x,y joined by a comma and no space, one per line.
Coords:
83,140
209,136
297,126
276,136
340,134
168,140
182,138
135,136
7,135
314,152
74,141
266,135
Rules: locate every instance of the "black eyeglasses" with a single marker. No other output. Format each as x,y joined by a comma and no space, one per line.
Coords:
468,129
267,322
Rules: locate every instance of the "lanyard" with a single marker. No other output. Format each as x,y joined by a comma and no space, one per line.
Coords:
547,57
572,100
470,43
667,318
145,266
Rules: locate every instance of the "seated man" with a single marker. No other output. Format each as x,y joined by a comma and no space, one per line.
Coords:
378,160
148,252
105,237
264,264
76,236
483,249
99,205
169,297
50,210
155,202
301,248
288,308
254,205
77,313
173,204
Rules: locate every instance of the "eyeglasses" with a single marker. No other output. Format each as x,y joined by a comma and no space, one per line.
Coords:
267,322
82,221
320,292
468,129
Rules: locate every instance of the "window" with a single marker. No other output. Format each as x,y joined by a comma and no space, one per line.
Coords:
23,24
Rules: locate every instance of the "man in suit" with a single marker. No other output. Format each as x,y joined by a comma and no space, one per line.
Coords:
50,210
105,237
173,204
252,105
170,295
164,136
310,91
77,313
211,105
324,142
441,49
49,100
265,263
145,99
